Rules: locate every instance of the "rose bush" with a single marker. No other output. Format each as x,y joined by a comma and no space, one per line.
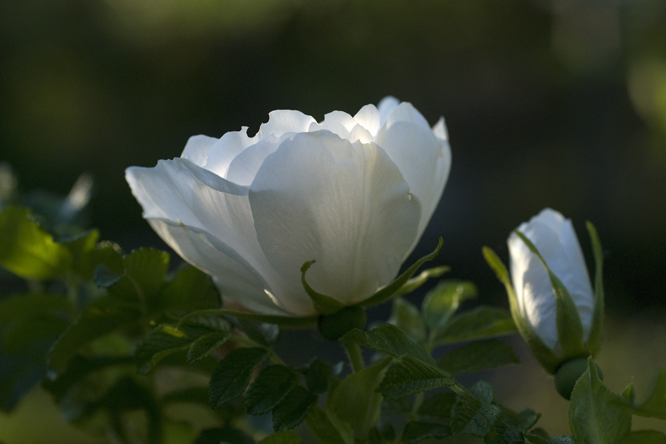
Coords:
353,193
555,239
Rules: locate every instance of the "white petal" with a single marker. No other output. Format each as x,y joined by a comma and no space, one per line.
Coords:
405,112
245,166
344,205
196,149
235,278
554,237
423,159
343,125
368,117
226,149
285,121
179,191
534,292
439,130
386,107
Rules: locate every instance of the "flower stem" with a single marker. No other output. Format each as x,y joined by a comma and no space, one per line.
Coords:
355,356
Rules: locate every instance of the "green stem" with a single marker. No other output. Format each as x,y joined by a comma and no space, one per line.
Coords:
355,356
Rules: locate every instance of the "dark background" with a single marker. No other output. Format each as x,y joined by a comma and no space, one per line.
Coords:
556,103
559,104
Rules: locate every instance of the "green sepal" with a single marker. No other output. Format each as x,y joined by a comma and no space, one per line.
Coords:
393,289
421,279
569,326
325,305
594,340
544,354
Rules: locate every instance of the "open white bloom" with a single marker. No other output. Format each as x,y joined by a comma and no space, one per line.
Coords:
556,241
353,193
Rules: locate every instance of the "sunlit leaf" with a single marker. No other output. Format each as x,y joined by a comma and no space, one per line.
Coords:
27,250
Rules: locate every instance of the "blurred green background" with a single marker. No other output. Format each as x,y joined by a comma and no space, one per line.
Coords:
557,103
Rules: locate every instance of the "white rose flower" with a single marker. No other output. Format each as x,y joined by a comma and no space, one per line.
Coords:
556,241
353,193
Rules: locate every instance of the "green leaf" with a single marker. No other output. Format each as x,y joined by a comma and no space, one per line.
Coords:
654,405
407,374
196,395
293,408
483,391
316,376
523,420
478,356
284,437
644,437
473,416
191,289
504,434
232,374
394,287
91,325
442,301
271,386
355,399
31,304
268,319
261,333
77,368
27,250
480,323
226,435
438,407
323,304
388,339
327,428
144,274
595,414
23,368
206,344
417,431
164,340
421,279
407,318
